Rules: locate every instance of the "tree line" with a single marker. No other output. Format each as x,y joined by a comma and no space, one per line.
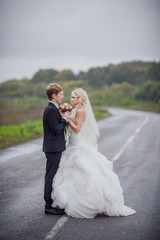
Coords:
139,75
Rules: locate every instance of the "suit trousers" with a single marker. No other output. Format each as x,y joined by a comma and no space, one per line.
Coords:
53,159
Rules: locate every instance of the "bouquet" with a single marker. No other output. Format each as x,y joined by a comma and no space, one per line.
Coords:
64,107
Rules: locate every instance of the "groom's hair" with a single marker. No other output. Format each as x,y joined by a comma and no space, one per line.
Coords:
53,88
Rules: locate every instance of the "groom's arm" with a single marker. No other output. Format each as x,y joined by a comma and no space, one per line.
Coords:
57,126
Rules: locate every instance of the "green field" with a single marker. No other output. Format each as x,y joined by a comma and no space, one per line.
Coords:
13,134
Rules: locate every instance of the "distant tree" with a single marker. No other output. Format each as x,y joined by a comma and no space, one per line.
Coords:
137,78
65,75
40,90
81,75
150,91
14,87
47,76
154,72
93,77
131,72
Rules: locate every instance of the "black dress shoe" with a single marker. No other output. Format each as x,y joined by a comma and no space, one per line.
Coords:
54,211
61,211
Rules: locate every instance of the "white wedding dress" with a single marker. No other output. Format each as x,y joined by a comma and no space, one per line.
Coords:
85,184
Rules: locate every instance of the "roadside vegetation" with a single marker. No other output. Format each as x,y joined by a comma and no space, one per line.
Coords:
132,85
19,126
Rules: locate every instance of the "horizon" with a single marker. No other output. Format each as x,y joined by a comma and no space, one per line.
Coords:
75,72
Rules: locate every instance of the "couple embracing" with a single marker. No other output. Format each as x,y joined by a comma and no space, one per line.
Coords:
79,181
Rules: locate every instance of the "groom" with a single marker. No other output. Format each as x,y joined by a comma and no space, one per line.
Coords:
53,141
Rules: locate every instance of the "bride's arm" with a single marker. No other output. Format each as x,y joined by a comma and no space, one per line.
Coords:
80,116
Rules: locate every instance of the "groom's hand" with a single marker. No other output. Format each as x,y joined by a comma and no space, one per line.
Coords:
65,115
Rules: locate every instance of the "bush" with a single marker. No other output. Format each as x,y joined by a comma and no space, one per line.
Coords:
150,91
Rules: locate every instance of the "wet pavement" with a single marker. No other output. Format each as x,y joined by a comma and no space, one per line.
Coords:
132,136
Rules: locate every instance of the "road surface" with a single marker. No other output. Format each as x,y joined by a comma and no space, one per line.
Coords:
131,139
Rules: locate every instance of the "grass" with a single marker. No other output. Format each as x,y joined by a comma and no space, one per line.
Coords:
100,113
14,134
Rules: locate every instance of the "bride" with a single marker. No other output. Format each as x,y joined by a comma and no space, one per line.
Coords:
85,184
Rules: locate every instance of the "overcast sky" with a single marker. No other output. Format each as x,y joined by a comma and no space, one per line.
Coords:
76,34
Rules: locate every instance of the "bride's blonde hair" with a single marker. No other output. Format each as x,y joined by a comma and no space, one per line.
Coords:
81,94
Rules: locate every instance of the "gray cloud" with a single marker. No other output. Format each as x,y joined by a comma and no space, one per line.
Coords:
76,34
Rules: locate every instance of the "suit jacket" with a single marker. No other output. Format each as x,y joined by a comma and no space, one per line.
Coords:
53,128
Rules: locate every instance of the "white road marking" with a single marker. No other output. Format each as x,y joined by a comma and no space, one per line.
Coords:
60,223
129,140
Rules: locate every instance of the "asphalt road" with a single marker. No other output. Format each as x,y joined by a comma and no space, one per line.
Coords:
129,138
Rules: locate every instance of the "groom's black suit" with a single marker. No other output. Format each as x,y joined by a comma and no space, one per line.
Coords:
53,146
